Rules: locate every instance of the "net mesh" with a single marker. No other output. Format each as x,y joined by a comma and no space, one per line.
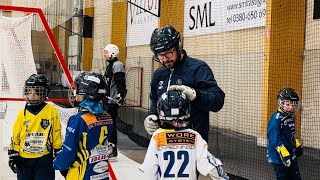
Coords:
16,65
17,62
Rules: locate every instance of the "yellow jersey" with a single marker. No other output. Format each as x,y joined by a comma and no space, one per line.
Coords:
36,134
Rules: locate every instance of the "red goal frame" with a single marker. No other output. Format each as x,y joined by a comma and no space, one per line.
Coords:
52,41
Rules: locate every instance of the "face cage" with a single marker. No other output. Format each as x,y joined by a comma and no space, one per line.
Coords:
31,91
281,105
177,123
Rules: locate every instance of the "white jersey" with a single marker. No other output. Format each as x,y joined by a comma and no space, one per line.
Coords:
176,154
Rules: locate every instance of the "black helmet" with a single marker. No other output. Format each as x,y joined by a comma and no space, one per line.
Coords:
38,80
163,39
90,84
173,105
40,84
288,94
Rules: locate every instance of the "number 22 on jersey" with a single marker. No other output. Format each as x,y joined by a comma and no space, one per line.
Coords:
179,159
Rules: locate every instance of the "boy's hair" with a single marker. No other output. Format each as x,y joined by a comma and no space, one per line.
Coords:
173,109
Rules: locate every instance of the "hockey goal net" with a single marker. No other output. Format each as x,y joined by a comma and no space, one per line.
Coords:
17,63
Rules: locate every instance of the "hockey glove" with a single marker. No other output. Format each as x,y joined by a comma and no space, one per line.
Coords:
56,152
64,172
299,149
14,160
188,91
284,155
111,147
120,100
217,172
151,123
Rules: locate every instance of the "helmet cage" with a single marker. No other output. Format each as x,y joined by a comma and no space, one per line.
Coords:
288,95
281,104
35,95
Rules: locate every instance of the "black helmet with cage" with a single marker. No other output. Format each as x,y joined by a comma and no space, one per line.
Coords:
163,39
39,85
287,94
174,109
90,85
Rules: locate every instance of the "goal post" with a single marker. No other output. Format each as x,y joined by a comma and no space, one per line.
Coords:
17,63
54,44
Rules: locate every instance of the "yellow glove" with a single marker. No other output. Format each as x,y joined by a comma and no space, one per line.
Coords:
284,155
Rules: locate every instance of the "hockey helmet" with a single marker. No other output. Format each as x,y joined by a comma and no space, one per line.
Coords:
287,94
163,39
174,108
113,50
90,85
36,84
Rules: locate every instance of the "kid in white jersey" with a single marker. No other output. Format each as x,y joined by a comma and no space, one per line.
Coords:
175,151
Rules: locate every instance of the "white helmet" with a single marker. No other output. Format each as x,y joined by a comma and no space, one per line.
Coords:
113,50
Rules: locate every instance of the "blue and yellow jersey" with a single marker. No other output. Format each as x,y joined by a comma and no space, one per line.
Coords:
36,133
280,131
84,151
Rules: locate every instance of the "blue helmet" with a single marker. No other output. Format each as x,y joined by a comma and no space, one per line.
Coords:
173,105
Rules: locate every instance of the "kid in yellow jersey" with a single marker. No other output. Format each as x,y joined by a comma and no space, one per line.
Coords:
85,150
36,133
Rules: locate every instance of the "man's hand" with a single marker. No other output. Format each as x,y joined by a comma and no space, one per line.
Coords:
188,91
151,123
14,160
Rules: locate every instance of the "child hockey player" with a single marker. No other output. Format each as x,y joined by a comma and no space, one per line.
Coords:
84,153
175,151
283,148
36,133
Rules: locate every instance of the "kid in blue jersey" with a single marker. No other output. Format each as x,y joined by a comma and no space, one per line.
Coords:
84,153
283,147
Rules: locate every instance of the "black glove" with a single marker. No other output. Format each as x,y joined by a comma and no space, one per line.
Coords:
299,149
14,160
120,100
56,152
64,172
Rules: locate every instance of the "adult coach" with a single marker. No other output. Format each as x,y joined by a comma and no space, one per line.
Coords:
180,72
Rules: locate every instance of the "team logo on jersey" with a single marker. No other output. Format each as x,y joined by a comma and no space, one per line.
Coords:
179,82
160,85
44,123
